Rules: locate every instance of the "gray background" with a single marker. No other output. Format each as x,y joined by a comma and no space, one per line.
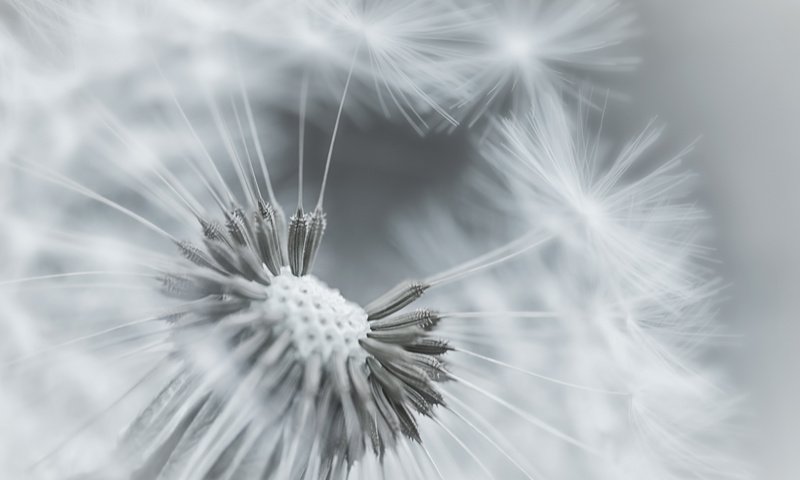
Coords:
728,70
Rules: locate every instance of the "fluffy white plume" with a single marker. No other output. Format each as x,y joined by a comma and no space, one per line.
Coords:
164,319
529,49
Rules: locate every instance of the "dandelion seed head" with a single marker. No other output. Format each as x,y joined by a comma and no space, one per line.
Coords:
320,321
518,46
261,336
592,212
264,370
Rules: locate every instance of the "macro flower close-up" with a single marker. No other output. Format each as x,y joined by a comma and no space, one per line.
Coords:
359,239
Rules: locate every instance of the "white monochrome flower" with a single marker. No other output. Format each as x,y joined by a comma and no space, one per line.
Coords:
270,371
165,319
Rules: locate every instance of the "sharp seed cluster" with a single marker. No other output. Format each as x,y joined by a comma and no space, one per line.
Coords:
267,345
320,321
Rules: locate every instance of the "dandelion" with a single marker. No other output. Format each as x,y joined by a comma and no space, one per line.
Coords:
533,48
630,259
277,374
638,227
400,55
552,320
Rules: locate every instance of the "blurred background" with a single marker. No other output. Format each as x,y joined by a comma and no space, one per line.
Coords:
729,71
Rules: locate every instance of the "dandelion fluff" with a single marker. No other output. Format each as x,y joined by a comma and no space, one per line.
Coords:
636,226
629,270
192,329
533,48
269,372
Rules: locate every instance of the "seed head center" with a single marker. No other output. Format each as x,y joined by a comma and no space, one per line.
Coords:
318,318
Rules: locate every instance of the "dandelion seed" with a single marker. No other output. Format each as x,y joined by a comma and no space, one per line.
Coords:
534,48
402,53
635,227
